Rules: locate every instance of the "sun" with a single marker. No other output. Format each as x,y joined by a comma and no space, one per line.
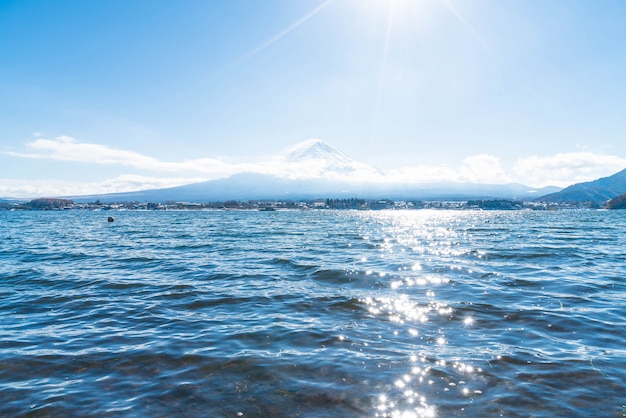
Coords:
414,10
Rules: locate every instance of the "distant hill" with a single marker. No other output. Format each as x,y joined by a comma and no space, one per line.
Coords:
617,203
10,201
597,191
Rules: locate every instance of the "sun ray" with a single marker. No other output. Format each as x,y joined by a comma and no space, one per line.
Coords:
490,50
283,32
468,26
383,67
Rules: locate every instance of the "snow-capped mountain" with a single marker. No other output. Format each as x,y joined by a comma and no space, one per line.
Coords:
314,169
316,149
316,159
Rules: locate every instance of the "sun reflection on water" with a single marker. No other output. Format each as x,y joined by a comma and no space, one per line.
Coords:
402,309
407,245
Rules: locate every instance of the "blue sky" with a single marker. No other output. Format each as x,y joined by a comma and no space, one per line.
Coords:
118,95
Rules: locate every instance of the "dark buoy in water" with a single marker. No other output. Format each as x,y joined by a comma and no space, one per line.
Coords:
110,219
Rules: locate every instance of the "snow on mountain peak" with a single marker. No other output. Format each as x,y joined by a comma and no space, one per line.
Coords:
315,158
316,149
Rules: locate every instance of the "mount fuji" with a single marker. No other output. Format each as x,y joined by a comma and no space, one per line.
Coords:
313,169
315,158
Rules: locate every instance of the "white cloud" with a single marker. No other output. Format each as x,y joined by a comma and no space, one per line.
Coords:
536,171
483,168
423,174
559,170
566,168
21,188
131,182
65,148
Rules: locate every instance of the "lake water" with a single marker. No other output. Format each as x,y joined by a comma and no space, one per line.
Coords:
313,314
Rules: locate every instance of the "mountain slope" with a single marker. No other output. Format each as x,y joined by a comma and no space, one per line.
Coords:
597,191
246,186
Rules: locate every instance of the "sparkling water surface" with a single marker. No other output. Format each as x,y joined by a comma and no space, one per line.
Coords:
313,314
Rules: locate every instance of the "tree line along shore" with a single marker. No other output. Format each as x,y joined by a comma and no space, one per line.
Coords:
328,203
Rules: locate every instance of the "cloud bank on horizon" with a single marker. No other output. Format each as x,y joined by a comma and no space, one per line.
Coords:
308,159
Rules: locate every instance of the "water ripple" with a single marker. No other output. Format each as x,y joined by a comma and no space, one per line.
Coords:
420,313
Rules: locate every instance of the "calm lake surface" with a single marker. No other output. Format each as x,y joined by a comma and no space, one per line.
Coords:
313,314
